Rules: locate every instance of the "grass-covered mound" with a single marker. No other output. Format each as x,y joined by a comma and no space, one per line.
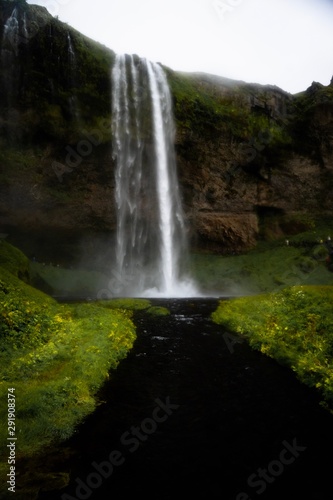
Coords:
55,356
14,261
271,266
127,303
135,304
293,326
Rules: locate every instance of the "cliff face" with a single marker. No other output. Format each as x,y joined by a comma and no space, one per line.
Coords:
265,170
253,161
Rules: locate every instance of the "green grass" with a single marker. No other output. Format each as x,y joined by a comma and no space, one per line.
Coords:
14,261
132,304
264,270
271,266
158,311
56,356
293,326
207,110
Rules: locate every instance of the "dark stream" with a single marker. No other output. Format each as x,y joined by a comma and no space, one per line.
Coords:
190,414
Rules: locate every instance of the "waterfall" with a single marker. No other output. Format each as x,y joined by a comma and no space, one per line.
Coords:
151,246
72,80
9,70
11,32
71,53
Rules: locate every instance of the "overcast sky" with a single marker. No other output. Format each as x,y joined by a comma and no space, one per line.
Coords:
288,43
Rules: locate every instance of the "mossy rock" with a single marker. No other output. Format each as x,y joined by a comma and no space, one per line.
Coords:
126,303
158,311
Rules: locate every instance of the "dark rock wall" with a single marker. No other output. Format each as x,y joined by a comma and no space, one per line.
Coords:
253,161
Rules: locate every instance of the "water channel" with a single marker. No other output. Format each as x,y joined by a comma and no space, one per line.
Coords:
191,413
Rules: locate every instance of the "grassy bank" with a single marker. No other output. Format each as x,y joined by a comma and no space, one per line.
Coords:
271,266
293,326
55,356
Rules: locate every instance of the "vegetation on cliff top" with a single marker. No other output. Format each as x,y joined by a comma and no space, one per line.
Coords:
309,122
65,87
61,81
211,109
293,326
62,95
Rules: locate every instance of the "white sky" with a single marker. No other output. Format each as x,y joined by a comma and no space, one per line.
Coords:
288,43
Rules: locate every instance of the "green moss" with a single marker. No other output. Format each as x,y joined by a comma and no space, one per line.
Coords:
271,265
201,111
126,303
223,107
158,311
293,326
14,261
55,356
274,226
310,98
60,372
309,136
60,89
13,158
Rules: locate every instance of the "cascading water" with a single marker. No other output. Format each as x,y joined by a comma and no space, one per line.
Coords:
11,32
72,80
71,53
9,52
151,246
24,28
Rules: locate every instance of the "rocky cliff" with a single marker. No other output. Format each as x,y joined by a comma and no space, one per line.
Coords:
253,161
264,169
